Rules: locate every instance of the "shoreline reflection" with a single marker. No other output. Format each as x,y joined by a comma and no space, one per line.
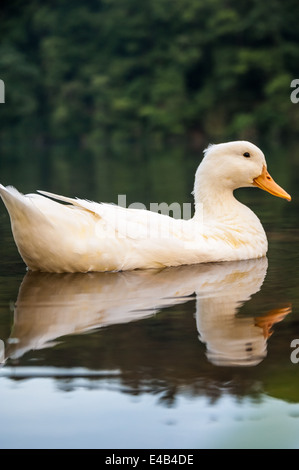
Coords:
50,306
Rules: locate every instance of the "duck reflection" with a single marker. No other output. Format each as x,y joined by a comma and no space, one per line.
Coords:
50,306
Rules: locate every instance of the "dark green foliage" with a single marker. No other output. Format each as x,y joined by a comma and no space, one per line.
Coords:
115,68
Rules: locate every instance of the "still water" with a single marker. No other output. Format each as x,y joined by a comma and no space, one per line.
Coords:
189,357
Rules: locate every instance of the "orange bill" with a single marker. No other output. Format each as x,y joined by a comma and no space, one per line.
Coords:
274,316
267,183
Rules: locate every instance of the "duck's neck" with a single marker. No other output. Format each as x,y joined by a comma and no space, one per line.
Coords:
225,218
216,202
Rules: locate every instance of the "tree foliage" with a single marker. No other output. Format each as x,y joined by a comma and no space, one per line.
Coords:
167,67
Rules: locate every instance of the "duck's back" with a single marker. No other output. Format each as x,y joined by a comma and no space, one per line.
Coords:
85,236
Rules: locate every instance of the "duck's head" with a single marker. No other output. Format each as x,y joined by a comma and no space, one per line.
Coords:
235,165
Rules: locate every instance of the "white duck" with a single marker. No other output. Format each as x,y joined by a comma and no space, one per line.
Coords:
86,236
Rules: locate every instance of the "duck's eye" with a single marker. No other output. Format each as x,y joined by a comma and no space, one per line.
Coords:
246,154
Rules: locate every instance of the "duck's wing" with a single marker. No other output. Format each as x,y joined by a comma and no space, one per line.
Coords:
129,222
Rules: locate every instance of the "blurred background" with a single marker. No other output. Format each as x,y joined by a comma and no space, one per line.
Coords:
146,86
106,70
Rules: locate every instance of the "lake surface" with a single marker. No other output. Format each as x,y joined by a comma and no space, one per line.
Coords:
185,358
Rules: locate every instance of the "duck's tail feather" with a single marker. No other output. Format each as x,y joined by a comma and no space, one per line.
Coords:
17,204
11,196
9,190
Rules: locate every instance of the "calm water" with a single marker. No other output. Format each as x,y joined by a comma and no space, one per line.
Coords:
189,357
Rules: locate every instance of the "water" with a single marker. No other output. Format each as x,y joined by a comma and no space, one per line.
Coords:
188,357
